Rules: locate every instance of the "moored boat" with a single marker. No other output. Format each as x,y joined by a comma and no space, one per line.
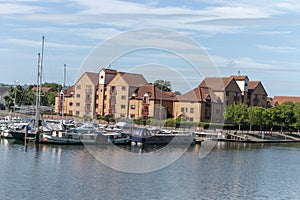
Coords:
142,136
58,137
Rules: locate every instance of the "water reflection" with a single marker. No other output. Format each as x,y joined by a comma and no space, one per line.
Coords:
229,171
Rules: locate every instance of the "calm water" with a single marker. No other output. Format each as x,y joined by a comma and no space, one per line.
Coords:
230,171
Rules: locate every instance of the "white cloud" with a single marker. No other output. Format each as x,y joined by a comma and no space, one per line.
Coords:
14,8
278,49
31,43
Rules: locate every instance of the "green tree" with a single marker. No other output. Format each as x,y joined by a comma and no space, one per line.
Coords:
286,114
255,115
269,115
237,113
163,85
296,112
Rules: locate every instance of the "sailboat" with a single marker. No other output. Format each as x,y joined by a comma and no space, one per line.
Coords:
63,136
27,132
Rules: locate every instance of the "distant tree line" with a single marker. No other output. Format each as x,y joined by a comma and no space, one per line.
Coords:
24,95
284,116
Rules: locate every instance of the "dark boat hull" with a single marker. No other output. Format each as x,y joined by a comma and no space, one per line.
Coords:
165,139
20,135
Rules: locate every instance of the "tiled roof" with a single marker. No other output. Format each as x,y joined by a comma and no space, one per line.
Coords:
69,91
253,84
281,99
216,83
133,79
198,94
153,92
43,89
94,77
240,77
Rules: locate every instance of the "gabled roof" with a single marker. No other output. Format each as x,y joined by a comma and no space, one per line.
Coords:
252,85
94,77
199,94
69,91
153,92
280,99
216,83
133,79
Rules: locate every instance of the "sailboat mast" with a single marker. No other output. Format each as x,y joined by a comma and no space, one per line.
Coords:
39,85
63,94
41,69
37,98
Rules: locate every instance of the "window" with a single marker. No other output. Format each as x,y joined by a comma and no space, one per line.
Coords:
70,112
132,116
77,104
77,95
191,119
191,110
218,111
71,104
78,87
182,109
227,93
132,106
88,106
123,106
123,97
88,88
77,112
123,88
186,110
122,115
88,96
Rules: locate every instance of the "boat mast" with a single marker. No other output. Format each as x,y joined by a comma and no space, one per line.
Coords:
37,98
63,94
39,84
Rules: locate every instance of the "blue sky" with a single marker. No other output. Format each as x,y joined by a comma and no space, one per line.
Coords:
258,38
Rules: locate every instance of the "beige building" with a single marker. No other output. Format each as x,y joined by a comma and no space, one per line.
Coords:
257,95
199,105
129,95
118,93
226,88
67,101
150,101
85,88
105,76
243,83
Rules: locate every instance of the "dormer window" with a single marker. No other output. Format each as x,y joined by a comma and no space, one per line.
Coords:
208,99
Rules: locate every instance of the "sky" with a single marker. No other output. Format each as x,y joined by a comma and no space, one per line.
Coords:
254,38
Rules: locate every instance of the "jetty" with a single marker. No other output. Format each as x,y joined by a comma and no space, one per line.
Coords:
248,136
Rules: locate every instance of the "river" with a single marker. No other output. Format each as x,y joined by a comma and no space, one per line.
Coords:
229,171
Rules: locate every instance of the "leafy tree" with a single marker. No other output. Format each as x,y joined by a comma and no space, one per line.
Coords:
286,114
296,111
163,85
255,115
237,113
